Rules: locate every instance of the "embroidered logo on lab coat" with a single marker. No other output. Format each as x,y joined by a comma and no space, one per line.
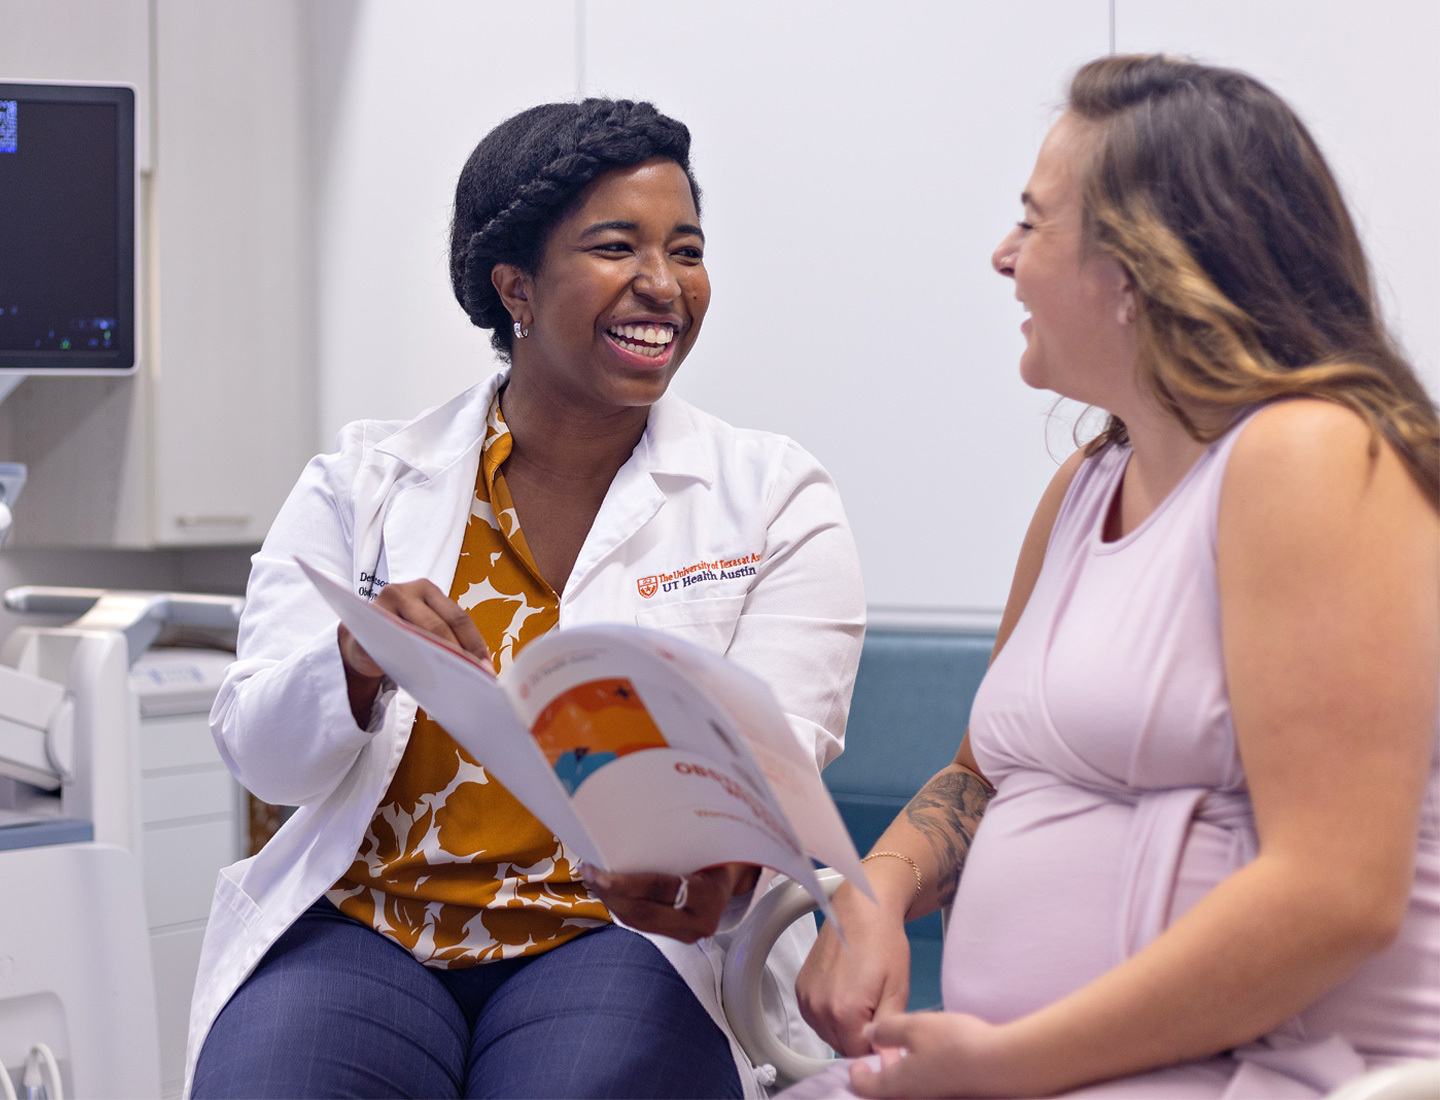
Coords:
722,569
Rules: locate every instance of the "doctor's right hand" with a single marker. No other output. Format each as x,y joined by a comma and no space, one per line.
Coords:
421,604
842,991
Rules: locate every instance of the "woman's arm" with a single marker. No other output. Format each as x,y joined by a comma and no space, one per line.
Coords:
803,622
290,717
842,990
1329,577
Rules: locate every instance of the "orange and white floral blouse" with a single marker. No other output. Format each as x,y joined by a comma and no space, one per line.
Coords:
453,868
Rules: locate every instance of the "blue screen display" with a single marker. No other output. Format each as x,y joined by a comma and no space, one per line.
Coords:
9,126
66,227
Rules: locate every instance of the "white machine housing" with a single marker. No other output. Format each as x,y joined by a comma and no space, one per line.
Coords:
75,940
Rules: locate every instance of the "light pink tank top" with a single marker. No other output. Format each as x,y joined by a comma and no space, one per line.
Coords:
1121,800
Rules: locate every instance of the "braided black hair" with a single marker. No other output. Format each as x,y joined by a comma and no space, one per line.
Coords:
522,179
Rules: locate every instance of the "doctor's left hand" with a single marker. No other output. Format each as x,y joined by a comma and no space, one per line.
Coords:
421,604
647,902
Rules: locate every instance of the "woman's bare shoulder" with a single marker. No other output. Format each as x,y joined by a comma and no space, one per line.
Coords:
1308,474
1309,454
1304,427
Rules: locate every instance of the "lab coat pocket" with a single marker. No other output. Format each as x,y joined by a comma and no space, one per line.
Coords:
232,903
706,622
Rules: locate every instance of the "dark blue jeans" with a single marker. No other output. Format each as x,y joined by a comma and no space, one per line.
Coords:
335,1009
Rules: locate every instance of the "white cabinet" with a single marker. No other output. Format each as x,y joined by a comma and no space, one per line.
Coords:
202,444
194,824
233,416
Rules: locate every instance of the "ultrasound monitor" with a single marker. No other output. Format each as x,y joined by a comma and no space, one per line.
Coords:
67,229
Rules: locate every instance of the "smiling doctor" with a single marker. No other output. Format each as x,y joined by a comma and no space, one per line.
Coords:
413,930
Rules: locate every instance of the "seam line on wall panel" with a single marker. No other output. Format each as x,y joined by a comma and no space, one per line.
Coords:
1112,28
580,49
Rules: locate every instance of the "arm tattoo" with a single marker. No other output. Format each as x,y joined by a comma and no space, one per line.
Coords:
947,811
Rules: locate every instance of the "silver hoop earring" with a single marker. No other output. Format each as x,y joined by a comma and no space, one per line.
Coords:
521,333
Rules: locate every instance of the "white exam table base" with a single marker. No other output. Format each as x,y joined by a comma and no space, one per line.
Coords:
75,968
742,979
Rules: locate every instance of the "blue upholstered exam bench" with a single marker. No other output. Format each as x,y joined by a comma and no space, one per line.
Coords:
911,706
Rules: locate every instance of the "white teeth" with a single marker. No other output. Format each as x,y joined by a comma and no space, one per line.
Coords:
646,339
640,349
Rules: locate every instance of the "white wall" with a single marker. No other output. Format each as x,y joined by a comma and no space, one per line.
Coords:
402,93
1365,78
860,160
861,163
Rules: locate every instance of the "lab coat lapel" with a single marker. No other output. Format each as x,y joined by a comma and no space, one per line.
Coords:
425,523
670,448
631,502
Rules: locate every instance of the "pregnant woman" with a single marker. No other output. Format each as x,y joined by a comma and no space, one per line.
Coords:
1211,863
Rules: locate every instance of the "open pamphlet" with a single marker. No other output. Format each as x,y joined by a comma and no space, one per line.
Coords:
640,751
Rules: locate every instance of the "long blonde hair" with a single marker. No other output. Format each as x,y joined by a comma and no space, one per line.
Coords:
1250,278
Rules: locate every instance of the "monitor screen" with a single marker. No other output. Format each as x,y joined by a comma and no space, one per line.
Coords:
67,228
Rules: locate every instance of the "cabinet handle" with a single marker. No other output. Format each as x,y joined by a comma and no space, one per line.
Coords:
223,520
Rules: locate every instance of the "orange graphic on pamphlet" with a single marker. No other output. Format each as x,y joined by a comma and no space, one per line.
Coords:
591,724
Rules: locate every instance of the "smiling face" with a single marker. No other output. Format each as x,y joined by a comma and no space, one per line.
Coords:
619,294
1080,335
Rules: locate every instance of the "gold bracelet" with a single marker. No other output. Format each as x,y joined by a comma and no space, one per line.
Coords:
919,881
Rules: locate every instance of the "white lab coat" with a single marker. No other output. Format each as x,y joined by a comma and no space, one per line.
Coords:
391,503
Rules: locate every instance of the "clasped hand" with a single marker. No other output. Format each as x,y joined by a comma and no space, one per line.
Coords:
842,991
855,999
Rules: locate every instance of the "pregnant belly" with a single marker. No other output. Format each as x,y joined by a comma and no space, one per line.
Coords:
1034,916
1039,909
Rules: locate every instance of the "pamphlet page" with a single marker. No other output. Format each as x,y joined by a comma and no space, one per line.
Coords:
640,751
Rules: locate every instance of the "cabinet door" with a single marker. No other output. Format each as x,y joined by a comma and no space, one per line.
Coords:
232,359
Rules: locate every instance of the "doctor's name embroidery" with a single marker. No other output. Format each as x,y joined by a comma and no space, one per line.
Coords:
721,569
